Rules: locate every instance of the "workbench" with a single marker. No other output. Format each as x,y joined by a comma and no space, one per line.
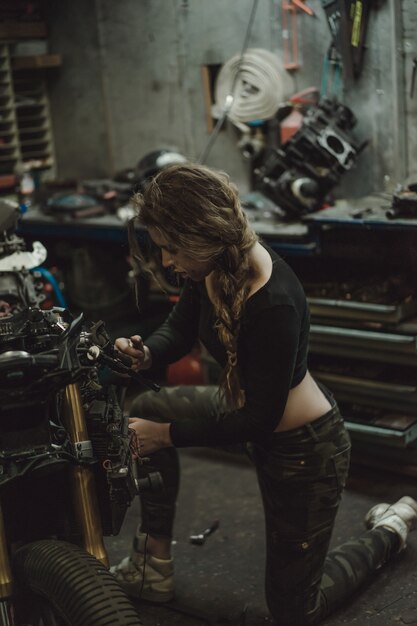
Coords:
292,238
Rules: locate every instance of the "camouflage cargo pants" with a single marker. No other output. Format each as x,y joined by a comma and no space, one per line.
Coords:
301,474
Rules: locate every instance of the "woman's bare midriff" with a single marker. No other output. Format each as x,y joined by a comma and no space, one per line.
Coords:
306,402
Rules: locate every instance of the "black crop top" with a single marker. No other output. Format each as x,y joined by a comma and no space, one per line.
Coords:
271,351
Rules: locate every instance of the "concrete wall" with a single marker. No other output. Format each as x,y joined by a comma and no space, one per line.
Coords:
131,82
409,49
78,104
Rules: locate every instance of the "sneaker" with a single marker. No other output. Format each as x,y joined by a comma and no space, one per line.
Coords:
144,576
400,517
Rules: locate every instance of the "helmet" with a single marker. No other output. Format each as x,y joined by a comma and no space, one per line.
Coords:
155,161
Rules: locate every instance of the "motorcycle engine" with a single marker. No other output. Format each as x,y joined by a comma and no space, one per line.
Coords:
110,438
299,175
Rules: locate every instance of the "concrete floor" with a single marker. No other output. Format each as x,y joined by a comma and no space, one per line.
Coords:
221,583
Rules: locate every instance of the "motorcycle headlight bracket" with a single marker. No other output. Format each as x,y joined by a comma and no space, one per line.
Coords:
83,451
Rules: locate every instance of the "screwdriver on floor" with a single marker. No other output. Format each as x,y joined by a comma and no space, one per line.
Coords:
200,539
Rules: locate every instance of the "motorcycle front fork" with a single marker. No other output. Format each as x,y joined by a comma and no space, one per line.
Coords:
84,501
83,483
6,580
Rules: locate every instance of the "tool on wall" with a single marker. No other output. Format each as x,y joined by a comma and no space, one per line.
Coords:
348,23
331,78
413,77
359,18
289,31
338,56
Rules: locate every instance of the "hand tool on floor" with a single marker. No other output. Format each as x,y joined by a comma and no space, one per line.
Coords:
200,539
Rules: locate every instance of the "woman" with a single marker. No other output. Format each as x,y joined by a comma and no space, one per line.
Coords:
244,303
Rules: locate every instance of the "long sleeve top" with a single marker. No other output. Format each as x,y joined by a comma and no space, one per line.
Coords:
271,354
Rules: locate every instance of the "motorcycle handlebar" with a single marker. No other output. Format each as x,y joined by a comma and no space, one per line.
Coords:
21,358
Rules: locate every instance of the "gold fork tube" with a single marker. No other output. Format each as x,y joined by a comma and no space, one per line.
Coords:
6,579
83,483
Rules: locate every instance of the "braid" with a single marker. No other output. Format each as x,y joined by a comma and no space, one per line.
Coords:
231,288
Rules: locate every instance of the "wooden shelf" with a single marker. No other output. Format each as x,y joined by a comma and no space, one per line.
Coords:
36,62
25,128
21,30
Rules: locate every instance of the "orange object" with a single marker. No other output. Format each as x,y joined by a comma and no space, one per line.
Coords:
309,95
7,180
289,35
289,31
186,371
289,125
302,5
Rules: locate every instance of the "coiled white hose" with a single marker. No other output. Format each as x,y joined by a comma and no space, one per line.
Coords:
251,87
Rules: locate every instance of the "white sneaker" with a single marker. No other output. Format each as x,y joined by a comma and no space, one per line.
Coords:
400,518
144,576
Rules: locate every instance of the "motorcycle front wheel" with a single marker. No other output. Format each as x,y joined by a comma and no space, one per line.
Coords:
70,586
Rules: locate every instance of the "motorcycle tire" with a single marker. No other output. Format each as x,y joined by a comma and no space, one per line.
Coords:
76,585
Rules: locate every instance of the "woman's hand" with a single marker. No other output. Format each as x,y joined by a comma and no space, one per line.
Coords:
136,350
150,436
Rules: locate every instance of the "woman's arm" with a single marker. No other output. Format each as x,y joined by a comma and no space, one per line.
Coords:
178,334
172,340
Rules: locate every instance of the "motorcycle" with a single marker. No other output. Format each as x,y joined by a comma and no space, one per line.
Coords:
67,474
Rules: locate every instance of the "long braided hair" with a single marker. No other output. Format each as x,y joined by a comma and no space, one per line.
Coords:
198,210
